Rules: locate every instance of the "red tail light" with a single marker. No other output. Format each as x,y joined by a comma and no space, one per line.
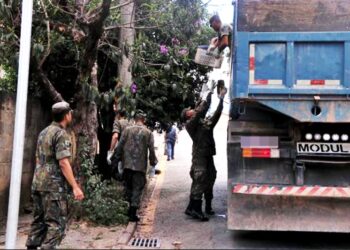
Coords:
260,153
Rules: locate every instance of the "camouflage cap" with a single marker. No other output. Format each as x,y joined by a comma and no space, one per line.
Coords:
183,113
139,114
60,107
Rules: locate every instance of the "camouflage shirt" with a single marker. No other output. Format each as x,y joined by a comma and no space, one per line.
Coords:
225,30
120,125
201,130
53,145
136,143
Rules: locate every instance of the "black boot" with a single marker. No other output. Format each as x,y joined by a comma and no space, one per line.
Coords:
197,212
208,209
189,208
132,214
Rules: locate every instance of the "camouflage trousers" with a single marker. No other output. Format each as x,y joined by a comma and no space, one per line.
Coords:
50,218
134,182
203,174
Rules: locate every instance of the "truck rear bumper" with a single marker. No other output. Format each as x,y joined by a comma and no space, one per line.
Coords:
302,191
288,213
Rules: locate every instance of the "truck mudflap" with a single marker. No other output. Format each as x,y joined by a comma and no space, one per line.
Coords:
272,208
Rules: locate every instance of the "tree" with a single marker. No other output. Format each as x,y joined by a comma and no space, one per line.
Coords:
64,33
78,53
166,77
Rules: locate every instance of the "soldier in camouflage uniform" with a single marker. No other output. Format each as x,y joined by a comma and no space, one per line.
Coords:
203,172
120,123
135,145
49,187
224,34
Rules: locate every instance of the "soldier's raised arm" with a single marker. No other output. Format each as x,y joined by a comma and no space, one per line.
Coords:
215,118
199,113
218,111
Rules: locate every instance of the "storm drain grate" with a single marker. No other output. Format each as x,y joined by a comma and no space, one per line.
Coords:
147,243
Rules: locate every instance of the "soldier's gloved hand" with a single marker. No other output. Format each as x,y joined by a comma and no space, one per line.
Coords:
109,157
223,92
78,193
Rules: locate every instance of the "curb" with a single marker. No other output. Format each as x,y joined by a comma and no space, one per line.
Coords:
127,234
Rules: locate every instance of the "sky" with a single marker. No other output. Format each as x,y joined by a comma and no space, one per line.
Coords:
222,7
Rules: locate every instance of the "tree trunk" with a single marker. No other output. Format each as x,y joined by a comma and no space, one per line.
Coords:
126,40
86,123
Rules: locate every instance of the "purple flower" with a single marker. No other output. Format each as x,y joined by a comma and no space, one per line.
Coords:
183,52
133,88
164,50
175,41
198,23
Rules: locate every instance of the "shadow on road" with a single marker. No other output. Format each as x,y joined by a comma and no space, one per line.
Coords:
290,240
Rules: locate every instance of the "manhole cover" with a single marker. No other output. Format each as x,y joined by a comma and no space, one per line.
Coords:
145,243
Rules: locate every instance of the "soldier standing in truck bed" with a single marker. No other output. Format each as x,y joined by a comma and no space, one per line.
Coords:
203,172
224,33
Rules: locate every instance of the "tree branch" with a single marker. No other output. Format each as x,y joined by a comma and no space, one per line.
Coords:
50,89
123,26
94,33
121,5
48,47
60,9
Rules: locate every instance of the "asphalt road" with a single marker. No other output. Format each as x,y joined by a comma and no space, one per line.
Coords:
171,225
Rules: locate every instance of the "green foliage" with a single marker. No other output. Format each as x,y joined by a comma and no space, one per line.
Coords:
8,80
103,203
167,79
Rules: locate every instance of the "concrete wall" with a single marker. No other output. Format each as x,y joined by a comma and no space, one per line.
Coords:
37,119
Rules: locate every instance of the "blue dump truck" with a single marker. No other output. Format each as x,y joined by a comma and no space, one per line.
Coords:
288,135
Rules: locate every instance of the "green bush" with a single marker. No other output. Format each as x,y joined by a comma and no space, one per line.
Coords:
104,203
